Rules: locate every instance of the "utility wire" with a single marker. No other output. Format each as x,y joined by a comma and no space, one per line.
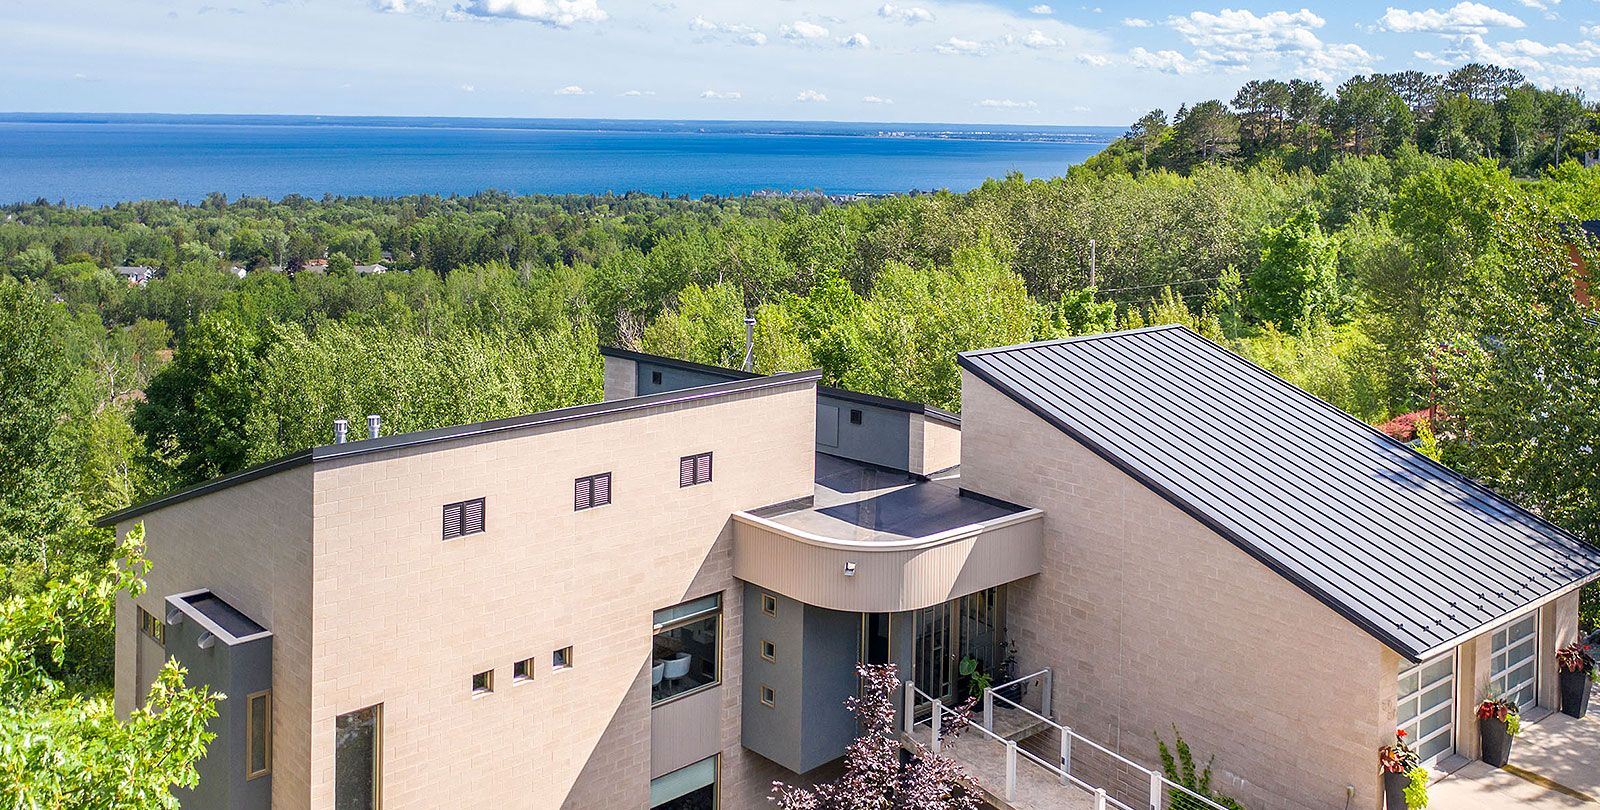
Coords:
1166,284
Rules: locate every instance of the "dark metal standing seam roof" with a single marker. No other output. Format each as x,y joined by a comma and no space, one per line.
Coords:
1409,550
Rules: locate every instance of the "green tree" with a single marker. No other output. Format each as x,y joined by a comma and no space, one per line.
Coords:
1297,279
61,748
195,410
36,497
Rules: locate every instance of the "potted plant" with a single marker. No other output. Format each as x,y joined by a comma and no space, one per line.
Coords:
1405,781
1498,722
977,680
1577,672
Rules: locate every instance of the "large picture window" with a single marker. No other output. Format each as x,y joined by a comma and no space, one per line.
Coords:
358,760
687,651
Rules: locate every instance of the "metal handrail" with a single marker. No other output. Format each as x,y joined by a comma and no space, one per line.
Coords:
1158,781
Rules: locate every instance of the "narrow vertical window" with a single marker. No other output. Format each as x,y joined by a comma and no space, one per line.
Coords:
769,696
695,469
591,491
463,518
152,626
258,735
358,760
855,416
769,604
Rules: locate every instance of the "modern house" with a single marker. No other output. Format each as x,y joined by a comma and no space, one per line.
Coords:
656,601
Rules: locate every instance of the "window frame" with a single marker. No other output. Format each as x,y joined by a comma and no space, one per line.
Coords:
527,673
768,696
250,736
766,600
1414,725
590,480
857,416
714,612
561,659
1503,672
147,620
377,752
488,683
766,646
692,463
461,519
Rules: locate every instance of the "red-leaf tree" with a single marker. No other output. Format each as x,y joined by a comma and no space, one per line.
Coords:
875,777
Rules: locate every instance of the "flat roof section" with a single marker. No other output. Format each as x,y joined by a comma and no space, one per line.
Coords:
861,502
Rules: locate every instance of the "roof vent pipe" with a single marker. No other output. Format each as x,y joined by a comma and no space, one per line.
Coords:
749,344
340,429
372,426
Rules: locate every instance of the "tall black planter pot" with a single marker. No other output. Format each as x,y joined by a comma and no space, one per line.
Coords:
1574,693
1496,741
1394,790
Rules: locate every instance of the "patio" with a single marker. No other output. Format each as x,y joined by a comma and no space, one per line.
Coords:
1555,763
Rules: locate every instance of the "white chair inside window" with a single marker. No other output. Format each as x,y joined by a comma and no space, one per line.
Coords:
676,667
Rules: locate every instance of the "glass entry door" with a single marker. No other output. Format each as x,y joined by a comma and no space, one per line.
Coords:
944,634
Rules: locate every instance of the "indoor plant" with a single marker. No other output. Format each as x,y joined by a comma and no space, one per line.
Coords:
1405,781
1498,722
1577,671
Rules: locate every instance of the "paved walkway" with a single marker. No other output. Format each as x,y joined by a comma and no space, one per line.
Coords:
1555,763
984,759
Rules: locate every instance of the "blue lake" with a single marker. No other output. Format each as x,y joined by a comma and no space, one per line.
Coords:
99,160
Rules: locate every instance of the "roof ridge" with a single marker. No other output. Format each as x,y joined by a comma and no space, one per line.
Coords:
1164,327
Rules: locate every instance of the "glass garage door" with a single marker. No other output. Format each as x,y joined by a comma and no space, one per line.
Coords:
1427,706
1513,662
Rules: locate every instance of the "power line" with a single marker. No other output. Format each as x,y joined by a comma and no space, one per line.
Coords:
1166,284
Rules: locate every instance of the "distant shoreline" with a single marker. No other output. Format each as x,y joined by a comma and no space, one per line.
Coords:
864,129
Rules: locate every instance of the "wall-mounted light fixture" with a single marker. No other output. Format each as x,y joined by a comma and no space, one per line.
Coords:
849,569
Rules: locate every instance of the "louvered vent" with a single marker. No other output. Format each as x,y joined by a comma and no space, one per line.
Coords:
591,491
463,518
695,469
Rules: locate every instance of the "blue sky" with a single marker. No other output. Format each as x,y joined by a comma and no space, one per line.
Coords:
849,60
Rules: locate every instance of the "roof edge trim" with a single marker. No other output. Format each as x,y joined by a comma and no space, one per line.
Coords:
453,432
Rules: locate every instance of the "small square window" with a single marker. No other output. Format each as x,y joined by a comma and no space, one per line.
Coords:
483,683
591,491
655,378
522,670
768,697
769,651
561,659
769,604
695,469
855,416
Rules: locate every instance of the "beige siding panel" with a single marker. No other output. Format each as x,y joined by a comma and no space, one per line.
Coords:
622,378
886,580
941,445
404,618
1150,620
685,731
251,545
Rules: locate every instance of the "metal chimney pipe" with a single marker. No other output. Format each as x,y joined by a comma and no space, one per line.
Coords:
749,344
340,429
372,426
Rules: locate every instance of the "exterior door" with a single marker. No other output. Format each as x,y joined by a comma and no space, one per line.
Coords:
972,625
1427,707
1513,661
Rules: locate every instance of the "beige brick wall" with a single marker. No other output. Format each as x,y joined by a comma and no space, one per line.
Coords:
1150,619
405,619
251,545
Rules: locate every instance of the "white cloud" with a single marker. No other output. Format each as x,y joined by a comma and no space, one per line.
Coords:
909,16
392,6
637,93
719,96
1162,61
1093,59
1081,108
549,12
1007,104
1541,62
810,95
800,29
956,45
856,40
468,88
572,90
1135,22
1041,9
1463,18
1237,39
755,38
876,100
700,23
1537,4
1037,39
